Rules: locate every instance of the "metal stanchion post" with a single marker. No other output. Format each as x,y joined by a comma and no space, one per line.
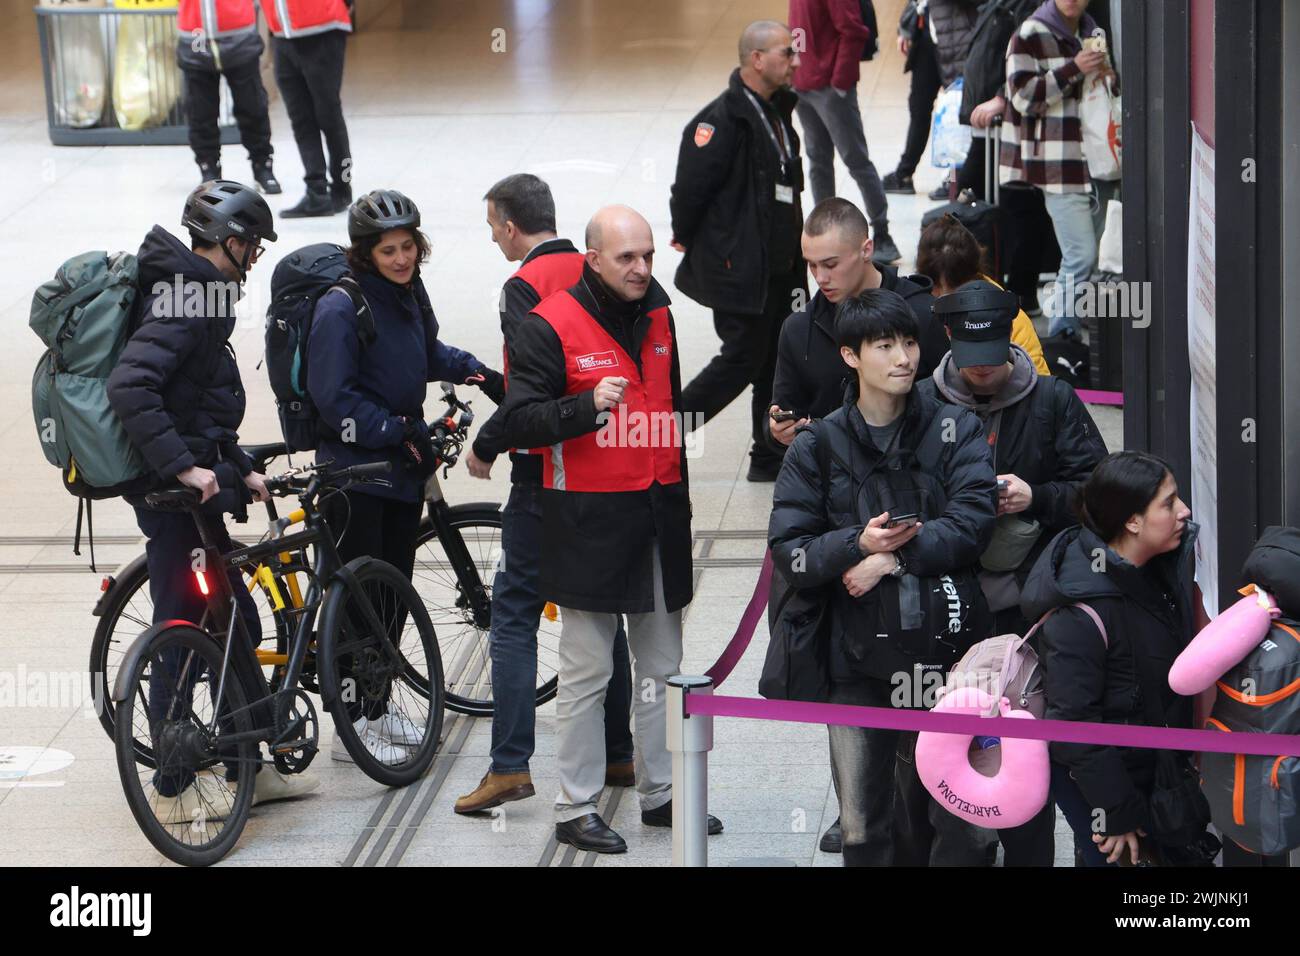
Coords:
690,738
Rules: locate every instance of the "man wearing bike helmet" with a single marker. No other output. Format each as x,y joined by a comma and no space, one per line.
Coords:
177,390
370,396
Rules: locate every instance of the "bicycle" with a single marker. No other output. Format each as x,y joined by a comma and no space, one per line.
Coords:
456,552
200,697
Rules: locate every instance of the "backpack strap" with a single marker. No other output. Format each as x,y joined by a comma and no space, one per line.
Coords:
365,318
1085,608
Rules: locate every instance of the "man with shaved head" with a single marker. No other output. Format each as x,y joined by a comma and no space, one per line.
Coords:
595,381
736,215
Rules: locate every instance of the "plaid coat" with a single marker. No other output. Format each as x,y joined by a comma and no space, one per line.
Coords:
1042,137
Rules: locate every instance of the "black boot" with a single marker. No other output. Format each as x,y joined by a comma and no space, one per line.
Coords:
341,195
209,172
832,840
312,204
264,176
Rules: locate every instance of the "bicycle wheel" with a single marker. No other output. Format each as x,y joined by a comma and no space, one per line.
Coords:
193,798
377,659
127,610
462,639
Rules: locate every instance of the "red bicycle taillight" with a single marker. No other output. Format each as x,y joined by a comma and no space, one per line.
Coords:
203,582
105,584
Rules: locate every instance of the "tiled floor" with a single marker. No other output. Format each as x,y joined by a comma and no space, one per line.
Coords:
590,94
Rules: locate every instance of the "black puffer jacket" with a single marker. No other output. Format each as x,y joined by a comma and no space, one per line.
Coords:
810,374
952,25
821,530
723,200
1147,612
176,386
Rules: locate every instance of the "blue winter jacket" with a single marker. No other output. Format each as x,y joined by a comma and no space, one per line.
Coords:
364,391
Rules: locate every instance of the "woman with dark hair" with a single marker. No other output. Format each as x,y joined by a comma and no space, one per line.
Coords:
1129,563
949,255
370,391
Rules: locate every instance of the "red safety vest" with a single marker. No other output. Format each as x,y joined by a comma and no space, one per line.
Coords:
547,274
300,18
641,441
216,18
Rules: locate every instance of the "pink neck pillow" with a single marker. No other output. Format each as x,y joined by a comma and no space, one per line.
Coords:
1223,643
1013,786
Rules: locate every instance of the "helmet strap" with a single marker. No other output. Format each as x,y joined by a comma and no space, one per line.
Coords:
240,267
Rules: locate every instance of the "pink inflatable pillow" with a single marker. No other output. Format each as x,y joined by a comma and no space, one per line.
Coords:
1223,643
1018,786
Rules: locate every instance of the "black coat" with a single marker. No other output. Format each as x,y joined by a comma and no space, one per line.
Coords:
176,386
821,531
811,376
1147,612
596,545
1046,438
723,197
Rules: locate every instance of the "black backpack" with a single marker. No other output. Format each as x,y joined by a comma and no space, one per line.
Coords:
986,63
299,280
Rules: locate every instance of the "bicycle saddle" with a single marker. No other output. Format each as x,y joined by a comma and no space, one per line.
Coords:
261,454
174,499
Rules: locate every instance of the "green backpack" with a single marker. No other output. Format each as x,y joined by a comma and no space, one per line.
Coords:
84,314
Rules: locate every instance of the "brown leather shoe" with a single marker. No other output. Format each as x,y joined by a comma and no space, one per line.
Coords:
495,789
620,774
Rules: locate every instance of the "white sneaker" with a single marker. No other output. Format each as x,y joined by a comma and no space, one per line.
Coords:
400,729
272,785
379,746
204,799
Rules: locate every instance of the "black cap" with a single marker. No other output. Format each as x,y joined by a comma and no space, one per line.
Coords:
978,317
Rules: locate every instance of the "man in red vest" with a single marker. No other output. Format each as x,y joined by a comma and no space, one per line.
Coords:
595,376
521,215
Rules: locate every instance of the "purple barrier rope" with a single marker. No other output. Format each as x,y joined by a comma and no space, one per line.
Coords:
1062,731
736,647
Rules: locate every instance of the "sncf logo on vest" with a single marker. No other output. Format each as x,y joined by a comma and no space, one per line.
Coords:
594,360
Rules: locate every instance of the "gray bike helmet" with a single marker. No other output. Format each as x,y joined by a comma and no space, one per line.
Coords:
222,209
380,210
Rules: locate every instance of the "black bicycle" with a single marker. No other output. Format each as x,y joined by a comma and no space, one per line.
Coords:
199,697
456,555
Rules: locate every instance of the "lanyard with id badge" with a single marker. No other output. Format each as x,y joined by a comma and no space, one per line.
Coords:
784,192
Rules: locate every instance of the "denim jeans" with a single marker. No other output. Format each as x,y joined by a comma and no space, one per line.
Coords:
516,610
1072,218
1078,814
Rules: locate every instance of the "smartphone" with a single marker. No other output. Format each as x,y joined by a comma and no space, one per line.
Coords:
1096,43
780,416
903,521
1003,485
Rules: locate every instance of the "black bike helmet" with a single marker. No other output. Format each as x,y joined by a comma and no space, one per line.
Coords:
380,210
222,209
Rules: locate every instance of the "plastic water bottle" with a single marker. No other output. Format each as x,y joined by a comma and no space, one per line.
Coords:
984,743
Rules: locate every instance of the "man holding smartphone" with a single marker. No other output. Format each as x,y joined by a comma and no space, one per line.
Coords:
908,500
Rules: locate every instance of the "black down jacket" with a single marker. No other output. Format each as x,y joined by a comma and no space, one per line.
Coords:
176,386
1147,612
822,531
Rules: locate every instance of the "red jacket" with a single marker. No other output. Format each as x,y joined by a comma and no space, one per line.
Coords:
832,36
300,18
216,18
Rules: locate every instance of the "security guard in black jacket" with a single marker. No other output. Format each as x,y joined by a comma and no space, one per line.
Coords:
736,216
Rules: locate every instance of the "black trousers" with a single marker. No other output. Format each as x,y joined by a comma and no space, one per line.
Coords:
748,357
309,72
375,527
926,84
203,102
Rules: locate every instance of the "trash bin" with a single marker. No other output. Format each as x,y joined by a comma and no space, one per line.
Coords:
111,77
